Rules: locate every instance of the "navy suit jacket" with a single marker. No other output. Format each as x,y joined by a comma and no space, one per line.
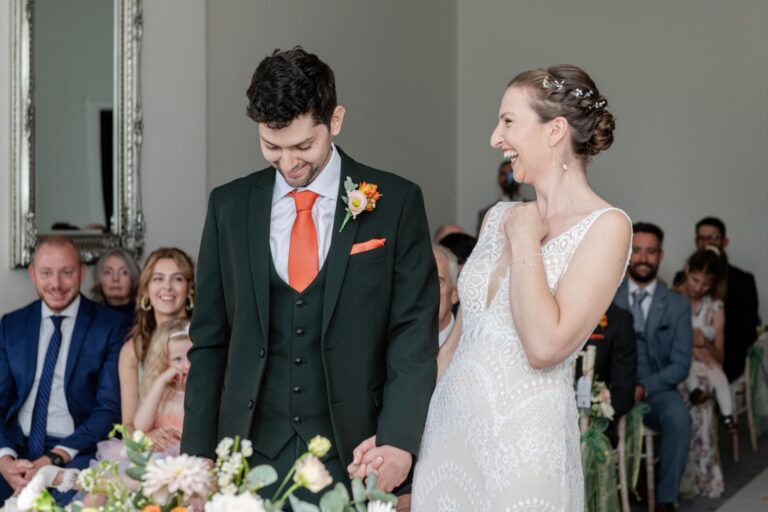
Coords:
668,336
90,378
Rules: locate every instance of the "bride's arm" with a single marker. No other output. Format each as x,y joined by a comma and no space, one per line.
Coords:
449,347
552,327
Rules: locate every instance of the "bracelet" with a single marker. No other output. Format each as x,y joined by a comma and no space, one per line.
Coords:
518,260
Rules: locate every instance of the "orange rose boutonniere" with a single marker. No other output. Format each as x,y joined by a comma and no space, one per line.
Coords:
359,198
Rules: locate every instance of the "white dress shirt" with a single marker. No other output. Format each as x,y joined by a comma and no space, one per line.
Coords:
326,185
447,331
60,422
650,288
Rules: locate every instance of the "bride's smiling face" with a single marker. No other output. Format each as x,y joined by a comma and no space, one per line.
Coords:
520,135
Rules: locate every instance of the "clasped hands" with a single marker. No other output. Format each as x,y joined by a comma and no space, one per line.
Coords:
19,472
390,464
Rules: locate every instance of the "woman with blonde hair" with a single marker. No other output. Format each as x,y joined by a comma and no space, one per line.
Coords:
166,291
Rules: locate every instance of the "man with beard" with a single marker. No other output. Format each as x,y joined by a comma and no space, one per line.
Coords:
662,323
59,391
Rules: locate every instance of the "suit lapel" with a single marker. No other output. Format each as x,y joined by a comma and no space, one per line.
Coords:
31,346
259,218
341,243
82,322
654,318
622,296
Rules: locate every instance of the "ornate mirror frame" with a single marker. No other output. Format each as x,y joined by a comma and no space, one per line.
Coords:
128,228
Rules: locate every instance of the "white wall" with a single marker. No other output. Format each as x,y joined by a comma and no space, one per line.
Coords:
395,72
688,84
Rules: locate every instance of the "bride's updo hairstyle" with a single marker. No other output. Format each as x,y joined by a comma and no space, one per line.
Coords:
567,91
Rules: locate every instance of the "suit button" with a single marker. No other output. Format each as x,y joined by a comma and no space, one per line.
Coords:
262,353
300,302
296,420
299,332
296,390
298,361
250,404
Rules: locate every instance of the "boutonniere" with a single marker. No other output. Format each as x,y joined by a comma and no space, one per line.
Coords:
360,198
601,325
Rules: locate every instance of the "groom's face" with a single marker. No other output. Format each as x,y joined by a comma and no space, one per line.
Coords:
302,149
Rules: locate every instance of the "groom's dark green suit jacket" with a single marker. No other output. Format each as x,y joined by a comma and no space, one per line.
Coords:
379,317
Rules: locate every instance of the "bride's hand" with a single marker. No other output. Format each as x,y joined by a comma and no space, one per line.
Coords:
523,224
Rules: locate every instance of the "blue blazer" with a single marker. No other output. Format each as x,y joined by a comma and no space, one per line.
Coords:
668,335
90,378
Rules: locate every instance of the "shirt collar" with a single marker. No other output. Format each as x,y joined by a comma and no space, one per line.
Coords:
326,184
68,312
650,287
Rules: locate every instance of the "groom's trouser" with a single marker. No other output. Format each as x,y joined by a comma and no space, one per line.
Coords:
283,462
671,419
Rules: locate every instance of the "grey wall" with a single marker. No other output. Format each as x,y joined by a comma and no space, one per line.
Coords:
395,72
688,82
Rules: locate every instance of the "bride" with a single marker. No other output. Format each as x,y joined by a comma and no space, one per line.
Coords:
502,430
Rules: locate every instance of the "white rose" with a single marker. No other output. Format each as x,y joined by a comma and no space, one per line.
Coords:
245,502
311,473
356,201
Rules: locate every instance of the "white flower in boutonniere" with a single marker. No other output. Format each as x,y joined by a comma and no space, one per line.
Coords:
359,199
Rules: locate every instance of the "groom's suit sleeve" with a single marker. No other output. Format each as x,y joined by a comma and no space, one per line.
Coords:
412,336
209,332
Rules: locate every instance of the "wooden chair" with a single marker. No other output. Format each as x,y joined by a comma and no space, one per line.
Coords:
620,457
741,391
650,460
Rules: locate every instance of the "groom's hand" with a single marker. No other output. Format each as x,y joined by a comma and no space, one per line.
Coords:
359,470
393,463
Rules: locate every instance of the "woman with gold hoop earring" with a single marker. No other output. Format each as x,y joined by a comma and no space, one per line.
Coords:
166,291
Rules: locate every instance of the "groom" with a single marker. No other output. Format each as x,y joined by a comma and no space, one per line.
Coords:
306,325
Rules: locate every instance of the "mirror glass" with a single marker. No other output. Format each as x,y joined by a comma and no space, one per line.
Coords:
74,68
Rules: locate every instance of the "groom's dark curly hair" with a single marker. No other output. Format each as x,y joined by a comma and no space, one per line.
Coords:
288,84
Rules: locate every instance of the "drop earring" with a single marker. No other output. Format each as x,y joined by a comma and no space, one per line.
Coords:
562,164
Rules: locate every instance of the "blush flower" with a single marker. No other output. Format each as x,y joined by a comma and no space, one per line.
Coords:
164,478
312,474
356,201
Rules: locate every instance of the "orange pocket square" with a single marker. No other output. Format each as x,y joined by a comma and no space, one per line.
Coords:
373,243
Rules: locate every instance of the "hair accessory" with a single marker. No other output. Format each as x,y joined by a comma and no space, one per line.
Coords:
581,94
596,105
184,333
556,84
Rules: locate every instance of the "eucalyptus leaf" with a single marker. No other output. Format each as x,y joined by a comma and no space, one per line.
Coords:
341,488
261,476
333,501
301,506
135,473
349,185
358,491
137,458
130,444
370,482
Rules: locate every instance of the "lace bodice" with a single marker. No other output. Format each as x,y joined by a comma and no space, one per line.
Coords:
500,434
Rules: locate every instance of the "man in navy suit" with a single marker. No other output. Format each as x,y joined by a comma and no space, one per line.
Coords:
662,323
59,390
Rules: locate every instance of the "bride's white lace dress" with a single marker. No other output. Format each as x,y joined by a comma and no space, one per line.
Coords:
501,435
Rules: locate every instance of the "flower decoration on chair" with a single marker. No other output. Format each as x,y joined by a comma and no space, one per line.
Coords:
191,484
360,198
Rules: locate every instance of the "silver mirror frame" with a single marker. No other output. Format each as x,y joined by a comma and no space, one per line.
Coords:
128,231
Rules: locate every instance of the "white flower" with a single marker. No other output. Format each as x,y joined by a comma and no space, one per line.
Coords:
380,506
166,477
607,409
245,502
138,435
246,448
311,473
31,492
319,446
225,445
356,202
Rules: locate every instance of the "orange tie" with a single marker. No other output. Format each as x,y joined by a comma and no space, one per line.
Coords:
302,256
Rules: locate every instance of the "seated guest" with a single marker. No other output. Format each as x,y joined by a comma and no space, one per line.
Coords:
59,393
166,291
461,245
662,324
741,318
447,229
115,281
448,274
615,362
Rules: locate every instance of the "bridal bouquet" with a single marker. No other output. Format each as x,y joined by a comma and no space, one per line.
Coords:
189,484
